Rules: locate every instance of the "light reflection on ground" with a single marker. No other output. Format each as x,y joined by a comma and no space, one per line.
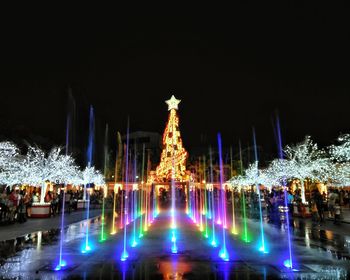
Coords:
320,254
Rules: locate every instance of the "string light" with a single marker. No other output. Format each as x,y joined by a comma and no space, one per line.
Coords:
174,154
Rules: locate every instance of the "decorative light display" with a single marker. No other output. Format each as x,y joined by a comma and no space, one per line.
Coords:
340,155
341,152
10,163
173,154
306,161
303,161
38,168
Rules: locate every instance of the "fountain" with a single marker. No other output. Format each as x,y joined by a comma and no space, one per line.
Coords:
86,198
134,213
288,263
223,251
105,168
200,209
125,254
205,200
262,246
233,229
173,206
61,262
245,227
142,191
213,238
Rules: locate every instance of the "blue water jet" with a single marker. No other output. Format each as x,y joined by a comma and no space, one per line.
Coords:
262,246
289,261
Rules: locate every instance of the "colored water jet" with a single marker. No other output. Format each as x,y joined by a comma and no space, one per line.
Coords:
105,168
234,229
134,201
142,191
200,209
125,255
262,246
103,234
289,262
173,209
87,247
206,212
223,251
145,226
205,199
245,236
211,190
113,231
61,262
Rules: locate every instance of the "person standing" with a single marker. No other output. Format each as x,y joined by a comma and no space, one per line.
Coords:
68,201
337,212
319,203
13,205
290,199
36,197
331,202
28,203
21,208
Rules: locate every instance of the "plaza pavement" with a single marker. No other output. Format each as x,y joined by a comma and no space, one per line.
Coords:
8,232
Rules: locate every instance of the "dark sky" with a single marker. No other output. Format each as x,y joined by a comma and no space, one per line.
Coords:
232,68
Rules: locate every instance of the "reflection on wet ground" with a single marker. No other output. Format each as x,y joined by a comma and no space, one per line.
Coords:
312,236
321,254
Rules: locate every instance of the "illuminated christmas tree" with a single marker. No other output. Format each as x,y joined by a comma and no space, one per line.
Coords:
173,158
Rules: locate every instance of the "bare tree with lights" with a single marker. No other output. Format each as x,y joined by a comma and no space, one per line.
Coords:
305,160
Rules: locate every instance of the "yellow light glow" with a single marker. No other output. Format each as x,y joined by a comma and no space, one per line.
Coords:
117,186
174,155
209,187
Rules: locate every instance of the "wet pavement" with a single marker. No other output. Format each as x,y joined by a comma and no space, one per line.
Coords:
44,224
318,253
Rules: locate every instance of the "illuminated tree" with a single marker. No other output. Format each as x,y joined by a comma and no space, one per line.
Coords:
92,176
99,179
255,176
341,152
10,162
251,176
279,171
305,160
173,154
341,156
39,168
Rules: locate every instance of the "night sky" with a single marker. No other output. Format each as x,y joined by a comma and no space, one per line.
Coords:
232,69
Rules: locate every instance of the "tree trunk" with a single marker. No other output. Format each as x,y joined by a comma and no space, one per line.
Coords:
303,199
43,193
84,193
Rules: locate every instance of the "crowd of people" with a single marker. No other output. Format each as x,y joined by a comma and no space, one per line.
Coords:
16,204
273,202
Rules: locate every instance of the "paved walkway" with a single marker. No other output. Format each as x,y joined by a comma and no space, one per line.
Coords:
345,215
8,232
152,258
